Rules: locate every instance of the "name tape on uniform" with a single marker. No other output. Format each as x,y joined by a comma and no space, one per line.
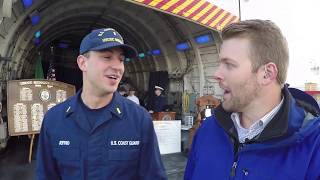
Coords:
124,143
64,143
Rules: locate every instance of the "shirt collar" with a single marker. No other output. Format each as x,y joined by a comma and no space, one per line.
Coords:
261,122
277,127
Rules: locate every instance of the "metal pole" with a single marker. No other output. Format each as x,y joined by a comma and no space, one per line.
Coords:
239,7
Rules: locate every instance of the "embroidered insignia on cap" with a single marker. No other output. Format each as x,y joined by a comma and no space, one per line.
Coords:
100,34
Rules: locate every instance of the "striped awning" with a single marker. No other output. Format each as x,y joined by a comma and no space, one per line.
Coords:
199,11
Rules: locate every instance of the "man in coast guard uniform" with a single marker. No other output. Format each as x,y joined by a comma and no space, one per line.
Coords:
157,102
98,134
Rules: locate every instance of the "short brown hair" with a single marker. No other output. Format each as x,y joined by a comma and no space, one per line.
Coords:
267,42
86,54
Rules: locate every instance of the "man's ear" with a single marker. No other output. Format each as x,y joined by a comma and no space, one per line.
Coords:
269,73
82,62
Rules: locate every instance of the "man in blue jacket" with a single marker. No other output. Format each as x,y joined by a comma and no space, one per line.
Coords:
98,134
261,130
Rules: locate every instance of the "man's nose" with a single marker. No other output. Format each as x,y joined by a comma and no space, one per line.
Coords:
218,74
116,63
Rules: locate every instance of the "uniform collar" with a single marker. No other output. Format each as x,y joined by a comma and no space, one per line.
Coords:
116,107
74,110
277,127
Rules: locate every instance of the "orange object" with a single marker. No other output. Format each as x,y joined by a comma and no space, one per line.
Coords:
163,116
202,103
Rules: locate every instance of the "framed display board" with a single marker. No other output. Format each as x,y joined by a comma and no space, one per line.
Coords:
29,99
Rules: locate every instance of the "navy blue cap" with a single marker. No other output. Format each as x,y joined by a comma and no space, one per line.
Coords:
101,39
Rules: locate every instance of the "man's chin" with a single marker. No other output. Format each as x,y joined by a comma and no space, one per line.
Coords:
226,106
109,90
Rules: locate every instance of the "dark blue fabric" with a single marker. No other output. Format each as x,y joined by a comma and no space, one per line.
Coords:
120,146
292,156
298,94
157,103
93,115
101,39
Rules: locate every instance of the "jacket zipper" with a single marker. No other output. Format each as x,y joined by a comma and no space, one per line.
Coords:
238,147
234,168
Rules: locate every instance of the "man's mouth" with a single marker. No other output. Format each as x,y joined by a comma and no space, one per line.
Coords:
227,91
113,77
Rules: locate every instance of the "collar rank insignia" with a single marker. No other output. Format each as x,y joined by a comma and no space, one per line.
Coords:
118,110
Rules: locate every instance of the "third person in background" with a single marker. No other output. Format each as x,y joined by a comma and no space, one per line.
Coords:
157,102
122,91
132,96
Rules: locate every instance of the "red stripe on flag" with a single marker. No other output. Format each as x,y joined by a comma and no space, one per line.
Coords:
207,13
230,20
186,9
214,17
147,2
198,10
233,19
164,2
221,20
175,5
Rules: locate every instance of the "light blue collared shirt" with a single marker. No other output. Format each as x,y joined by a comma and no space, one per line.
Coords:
255,128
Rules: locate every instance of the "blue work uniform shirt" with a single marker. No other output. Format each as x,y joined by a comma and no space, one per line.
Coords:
122,145
93,115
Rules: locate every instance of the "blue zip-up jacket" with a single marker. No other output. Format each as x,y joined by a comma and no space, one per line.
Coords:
121,146
287,149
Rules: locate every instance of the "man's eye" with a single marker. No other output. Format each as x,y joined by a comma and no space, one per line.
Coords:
229,65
